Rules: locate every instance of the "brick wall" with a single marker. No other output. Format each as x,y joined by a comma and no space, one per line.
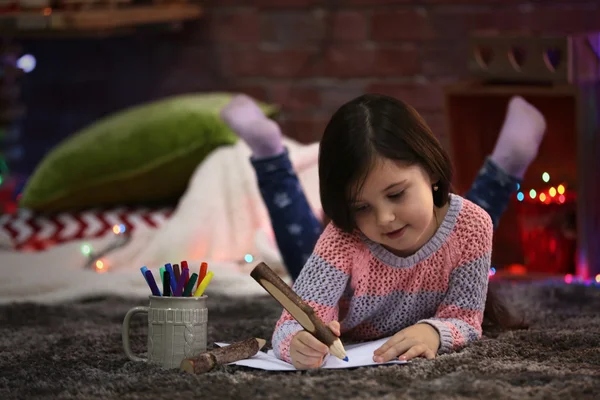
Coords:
307,55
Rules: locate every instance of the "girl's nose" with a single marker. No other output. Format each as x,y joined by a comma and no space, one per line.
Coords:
385,216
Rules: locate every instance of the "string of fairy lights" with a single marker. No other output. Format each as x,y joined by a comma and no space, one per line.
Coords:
553,194
94,259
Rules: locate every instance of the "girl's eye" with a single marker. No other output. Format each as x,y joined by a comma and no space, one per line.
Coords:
396,195
360,208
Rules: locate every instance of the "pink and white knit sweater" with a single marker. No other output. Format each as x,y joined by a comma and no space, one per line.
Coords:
374,293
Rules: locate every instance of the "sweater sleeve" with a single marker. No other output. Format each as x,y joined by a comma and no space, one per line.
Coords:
459,318
321,284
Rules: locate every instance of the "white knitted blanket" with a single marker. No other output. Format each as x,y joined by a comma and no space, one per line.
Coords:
220,219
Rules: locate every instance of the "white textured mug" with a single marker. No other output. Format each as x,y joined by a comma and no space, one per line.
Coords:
177,329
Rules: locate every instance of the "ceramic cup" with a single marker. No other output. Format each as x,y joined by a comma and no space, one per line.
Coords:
176,329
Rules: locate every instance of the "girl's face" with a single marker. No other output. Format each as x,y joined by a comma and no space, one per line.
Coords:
395,206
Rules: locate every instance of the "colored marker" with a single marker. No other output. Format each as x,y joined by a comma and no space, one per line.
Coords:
190,285
166,283
181,283
188,270
162,274
172,277
144,269
202,286
152,283
202,275
177,272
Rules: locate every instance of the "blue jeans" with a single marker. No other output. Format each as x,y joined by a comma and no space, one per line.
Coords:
297,229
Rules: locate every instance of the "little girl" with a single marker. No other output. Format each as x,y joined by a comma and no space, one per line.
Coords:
402,256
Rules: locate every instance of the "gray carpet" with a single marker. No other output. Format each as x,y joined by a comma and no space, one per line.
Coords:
74,351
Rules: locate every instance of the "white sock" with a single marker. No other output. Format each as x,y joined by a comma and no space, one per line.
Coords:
248,121
520,137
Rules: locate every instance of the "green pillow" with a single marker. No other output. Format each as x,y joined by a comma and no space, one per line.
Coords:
142,155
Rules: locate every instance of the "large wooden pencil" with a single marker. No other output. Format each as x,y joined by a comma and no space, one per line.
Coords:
222,355
302,312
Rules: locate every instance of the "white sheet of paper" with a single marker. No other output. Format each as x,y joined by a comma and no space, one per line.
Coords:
359,355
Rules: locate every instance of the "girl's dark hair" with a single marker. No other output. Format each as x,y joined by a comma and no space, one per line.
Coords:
372,126
360,131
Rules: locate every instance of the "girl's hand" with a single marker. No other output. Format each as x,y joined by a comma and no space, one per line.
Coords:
307,351
420,340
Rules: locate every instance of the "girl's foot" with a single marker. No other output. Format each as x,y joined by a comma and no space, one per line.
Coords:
248,121
520,137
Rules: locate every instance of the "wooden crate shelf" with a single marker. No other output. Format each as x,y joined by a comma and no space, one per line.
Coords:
569,152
